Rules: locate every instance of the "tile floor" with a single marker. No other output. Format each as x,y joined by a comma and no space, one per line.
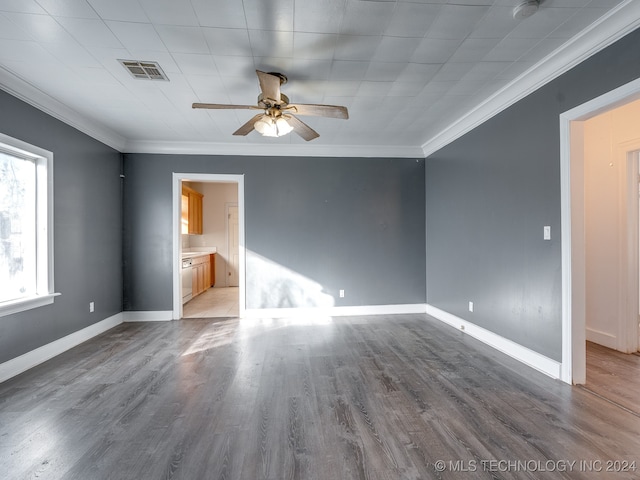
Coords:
215,302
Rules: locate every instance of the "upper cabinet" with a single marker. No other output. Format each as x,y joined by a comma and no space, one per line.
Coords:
191,217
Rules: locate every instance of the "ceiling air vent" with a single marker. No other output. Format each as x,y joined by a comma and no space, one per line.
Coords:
144,70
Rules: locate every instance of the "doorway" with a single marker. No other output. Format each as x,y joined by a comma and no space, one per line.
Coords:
207,182
575,267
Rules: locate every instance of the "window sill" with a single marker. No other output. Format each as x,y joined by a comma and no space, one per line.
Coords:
27,303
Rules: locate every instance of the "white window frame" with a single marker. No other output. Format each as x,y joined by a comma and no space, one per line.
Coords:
44,225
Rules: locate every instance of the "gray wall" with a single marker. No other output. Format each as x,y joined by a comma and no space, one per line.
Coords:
343,223
87,230
490,193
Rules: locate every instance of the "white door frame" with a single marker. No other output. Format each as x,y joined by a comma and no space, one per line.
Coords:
177,180
573,369
227,205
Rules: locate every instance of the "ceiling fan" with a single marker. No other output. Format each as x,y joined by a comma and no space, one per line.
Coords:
277,118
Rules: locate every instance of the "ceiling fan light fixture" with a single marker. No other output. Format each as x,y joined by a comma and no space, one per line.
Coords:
283,127
265,127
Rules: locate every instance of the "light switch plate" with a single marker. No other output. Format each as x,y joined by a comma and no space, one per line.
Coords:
547,232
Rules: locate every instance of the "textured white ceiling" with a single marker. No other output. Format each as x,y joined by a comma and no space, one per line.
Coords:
406,70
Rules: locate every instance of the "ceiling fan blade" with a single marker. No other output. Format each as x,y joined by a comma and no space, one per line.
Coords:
301,128
217,106
270,86
248,127
332,111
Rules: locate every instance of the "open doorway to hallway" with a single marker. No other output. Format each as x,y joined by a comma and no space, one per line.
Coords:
612,223
611,193
209,261
601,257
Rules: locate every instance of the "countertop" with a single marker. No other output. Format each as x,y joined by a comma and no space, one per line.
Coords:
192,253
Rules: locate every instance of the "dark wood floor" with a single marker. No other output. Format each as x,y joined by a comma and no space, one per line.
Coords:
614,375
381,397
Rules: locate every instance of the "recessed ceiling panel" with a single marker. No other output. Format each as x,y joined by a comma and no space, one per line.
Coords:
68,8
227,41
170,12
137,36
121,10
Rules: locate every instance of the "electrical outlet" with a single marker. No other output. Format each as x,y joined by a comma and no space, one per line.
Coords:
471,306
341,293
92,307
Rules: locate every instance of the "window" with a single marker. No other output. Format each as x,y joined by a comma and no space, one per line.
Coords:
26,227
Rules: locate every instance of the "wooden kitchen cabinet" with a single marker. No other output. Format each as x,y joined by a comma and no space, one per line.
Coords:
206,275
191,215
200,274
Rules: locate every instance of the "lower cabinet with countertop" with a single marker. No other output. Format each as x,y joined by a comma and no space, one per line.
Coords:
201,272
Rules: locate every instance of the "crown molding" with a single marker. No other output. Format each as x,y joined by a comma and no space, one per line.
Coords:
274,150
610,28
32,95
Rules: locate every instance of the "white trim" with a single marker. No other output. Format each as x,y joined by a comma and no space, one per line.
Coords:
176,261
24,304
23,90
572,226
569,304
274,149
602,338
139,316
335,311
525,355
624,94
614,25
35,357
44,224
177,179
44,234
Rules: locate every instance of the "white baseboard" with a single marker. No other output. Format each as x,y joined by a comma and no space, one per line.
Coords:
24,362
523,354
602,338
160,316
335,311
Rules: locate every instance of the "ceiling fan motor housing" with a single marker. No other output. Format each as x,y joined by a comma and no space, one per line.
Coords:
284,101
281,76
